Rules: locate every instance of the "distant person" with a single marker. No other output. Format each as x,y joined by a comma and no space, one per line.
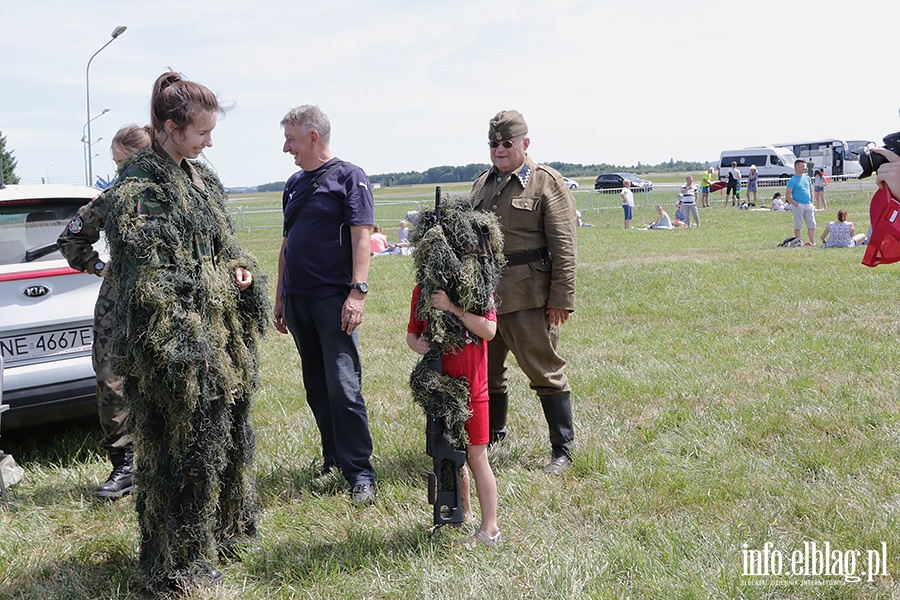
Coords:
819,183
536,293
402,245
77,244
842,233
663,221
321,292
705,185
403,232
799,196
378,242
732,190
627,202
579,222
777,202
689,201
752,183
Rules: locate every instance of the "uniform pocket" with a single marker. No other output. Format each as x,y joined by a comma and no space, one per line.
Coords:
525,214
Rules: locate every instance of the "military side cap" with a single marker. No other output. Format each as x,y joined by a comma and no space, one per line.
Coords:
506,125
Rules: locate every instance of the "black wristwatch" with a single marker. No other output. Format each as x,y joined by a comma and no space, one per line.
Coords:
99,266
361,286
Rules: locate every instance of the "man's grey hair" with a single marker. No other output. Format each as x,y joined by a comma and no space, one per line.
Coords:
309,118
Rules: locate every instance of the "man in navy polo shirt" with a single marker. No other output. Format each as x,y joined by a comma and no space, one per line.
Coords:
799,196
320,299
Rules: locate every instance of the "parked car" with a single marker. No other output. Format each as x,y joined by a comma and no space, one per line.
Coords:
613,182
571,183
46,308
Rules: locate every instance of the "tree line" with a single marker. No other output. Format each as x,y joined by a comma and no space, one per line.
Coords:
442,174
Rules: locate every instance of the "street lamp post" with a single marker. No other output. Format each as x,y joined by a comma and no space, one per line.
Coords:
84,140
87,79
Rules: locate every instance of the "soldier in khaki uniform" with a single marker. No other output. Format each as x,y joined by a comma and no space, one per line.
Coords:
536,293
77,244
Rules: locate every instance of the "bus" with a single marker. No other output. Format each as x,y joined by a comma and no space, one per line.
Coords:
836,156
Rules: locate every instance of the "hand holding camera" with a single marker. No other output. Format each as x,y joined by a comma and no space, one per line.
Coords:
889,170
870,159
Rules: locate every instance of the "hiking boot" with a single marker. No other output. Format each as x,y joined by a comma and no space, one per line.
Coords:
363,494
121,479
559,465
187,580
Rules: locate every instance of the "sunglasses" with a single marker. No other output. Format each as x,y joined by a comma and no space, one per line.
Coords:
507,144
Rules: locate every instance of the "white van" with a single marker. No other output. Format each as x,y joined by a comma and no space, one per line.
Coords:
771,162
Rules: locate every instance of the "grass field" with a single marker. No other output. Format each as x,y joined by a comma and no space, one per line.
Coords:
733,401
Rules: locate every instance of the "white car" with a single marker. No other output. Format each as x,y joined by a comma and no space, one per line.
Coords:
46,308
571,183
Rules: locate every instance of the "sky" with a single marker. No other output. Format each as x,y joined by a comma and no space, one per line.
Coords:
410,85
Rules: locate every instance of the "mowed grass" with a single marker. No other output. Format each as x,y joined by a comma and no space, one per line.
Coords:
728,393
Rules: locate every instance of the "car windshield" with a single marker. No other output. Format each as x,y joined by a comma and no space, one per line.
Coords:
29,228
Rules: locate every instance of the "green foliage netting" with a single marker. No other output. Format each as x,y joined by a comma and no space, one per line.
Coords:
187,350
462,255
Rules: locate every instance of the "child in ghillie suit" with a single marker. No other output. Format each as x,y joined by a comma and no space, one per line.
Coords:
458,264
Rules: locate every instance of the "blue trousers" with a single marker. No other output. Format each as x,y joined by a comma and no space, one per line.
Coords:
332,376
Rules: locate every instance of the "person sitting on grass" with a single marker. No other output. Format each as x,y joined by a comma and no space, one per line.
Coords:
663,221
777,202
402,246
842,233
378,242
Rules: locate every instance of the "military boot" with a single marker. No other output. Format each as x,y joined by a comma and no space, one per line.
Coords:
121,480
498,407
558,412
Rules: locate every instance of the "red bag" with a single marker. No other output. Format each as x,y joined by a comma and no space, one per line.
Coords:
884,214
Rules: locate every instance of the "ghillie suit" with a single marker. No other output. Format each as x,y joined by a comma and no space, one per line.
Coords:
459,251
186,348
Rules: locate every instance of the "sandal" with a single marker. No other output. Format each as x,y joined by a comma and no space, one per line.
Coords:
480,538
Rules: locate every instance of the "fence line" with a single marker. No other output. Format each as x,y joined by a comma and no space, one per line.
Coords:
389,210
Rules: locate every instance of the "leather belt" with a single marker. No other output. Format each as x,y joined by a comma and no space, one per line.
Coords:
541,254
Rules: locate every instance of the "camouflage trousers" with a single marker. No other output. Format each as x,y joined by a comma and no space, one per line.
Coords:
110,403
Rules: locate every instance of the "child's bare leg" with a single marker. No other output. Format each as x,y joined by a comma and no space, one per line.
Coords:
486,486
465,494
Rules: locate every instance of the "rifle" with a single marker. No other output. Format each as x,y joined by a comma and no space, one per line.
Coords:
443,481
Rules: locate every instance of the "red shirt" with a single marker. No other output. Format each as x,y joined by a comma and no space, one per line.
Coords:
469,362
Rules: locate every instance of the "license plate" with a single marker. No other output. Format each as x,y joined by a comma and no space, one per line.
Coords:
17,348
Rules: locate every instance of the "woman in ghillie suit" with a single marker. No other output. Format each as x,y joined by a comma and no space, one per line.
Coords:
190,315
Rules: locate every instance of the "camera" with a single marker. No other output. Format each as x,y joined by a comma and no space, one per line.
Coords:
870,161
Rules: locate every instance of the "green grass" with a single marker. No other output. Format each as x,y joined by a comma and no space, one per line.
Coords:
727,392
